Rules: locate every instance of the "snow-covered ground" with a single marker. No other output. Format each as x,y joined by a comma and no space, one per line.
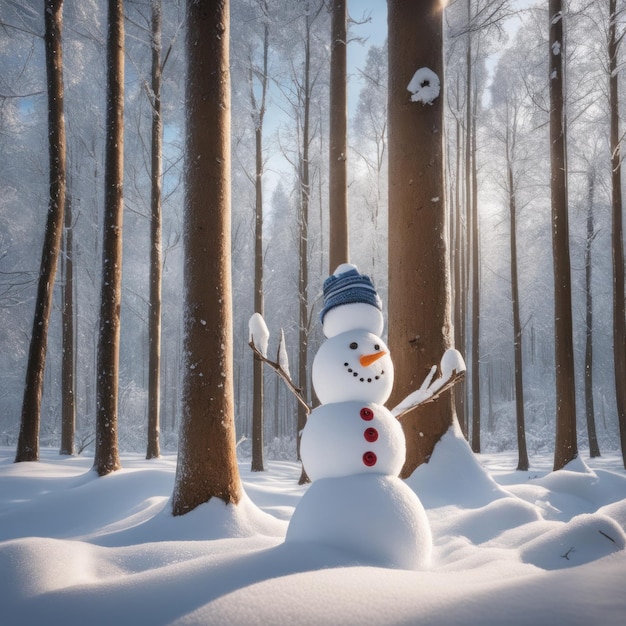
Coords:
509,548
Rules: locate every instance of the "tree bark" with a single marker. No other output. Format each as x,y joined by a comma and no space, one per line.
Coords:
28,440
476,410
154,323
419,279
338,139
258,116
617,234
207,462
566,447
107,454
68,403
522,453
594,448
303,280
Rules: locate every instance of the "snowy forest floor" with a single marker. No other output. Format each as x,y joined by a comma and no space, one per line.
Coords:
510,547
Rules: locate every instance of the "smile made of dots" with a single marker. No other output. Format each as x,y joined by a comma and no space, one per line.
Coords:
356,374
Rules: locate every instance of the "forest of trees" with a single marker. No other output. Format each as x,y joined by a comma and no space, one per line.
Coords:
489,219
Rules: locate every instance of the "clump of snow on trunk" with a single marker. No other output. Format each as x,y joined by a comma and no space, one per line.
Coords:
425,86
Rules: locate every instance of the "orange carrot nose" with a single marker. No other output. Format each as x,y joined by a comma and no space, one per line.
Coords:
368,359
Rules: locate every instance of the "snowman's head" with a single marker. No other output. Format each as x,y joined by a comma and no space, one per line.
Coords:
354,365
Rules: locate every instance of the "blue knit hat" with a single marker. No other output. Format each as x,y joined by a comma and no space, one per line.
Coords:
349,287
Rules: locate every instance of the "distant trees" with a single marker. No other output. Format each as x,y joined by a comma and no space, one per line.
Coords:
28,442
506,329
419,278
507,98
106,459
207,463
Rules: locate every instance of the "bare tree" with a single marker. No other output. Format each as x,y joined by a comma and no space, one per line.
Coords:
522,453
594,449
156,266
338,138
617,234
68,363
258,117
419,277
28,441
207,462
106,458
566,447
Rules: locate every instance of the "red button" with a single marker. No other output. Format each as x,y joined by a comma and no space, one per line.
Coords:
370,434
367,414
369,458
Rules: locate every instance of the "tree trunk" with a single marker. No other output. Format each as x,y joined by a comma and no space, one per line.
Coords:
28,441
107,455
303,282
459,278
475,287
68,404
338,139
522,453
419,279
207,462
566,447
154,324
594,449
617,235
258,115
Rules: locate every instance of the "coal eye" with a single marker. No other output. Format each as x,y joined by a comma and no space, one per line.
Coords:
376,347
354,345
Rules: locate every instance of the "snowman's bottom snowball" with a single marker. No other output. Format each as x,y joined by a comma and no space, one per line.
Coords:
377,518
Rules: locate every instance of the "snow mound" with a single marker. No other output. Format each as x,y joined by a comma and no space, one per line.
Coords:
585,538
453,475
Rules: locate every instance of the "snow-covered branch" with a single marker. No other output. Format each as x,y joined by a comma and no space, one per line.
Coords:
259,332
452,371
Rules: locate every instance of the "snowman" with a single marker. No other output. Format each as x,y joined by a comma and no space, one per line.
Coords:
352,447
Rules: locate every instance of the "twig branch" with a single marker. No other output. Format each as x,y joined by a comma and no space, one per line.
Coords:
281,372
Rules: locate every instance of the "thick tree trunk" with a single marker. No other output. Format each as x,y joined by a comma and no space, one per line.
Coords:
338,138
419,279
617,235
207,462
566,447
154,324
107,455
28,441
68,402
